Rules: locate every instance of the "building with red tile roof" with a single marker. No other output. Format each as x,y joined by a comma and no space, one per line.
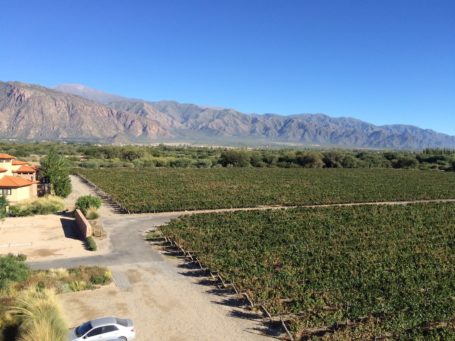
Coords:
19,163
17,179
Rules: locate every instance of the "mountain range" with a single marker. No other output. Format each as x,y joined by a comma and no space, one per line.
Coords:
73,112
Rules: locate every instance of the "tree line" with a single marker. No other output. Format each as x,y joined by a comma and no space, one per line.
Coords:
141,156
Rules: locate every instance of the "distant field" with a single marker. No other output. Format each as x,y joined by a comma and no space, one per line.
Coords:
388,270
159,190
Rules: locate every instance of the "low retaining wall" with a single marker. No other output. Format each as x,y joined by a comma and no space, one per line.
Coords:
83,226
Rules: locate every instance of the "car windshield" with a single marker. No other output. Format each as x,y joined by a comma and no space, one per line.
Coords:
83,328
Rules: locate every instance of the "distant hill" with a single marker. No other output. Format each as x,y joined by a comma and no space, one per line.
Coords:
89,93
79,113
35,112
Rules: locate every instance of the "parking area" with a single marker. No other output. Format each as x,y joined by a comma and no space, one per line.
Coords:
43,237
164,305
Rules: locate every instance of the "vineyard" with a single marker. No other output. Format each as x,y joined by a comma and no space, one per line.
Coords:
341,272
160,190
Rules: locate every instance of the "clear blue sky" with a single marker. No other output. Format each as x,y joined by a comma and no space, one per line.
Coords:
382,61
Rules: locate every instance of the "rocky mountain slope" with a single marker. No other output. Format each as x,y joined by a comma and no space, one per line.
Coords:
76,112
35,112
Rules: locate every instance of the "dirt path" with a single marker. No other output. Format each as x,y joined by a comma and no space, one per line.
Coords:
279,207
79,188
166,300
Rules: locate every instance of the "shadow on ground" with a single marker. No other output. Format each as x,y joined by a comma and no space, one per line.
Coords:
240,306
69,227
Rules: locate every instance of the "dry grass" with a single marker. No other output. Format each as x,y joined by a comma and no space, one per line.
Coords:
40,316
46,205
67,280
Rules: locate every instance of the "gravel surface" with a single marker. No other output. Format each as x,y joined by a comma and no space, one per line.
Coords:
166,300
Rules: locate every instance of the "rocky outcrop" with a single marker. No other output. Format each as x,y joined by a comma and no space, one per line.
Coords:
34,112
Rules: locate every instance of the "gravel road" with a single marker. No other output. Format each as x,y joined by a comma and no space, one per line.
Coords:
166,300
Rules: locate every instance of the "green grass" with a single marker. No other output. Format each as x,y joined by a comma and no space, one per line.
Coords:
389,269
160,190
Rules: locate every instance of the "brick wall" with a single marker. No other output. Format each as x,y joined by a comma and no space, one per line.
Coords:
84,227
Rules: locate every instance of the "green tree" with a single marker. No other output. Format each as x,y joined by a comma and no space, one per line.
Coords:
54,168
236,158
405,162
3,206
309,159
349,161
333,159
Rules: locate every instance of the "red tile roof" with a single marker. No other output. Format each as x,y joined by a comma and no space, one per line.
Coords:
19,163
7,157
3,170
25,169
14,182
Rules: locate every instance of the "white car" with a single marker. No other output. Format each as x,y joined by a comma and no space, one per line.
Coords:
104,329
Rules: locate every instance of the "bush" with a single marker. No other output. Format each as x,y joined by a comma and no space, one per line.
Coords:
45,205
91,244
405,162
86,202
101,279
40,316
68,280
92,214
13,269
236,158
93,275
310,160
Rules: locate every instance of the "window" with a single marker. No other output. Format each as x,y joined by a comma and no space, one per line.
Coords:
96,331
82,329
108,329
5,191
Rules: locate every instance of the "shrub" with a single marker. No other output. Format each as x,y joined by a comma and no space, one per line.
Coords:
310,160
13,269
92,214
45,205
84,203
91,274
90,164
405,162
91,244
78,285
236,158
40,316
100,279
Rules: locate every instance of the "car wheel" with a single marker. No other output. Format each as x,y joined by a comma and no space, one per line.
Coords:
123,338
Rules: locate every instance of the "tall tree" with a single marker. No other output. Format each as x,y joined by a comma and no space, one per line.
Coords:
3,206
54,168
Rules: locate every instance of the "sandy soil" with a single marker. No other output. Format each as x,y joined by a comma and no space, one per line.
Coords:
45,237
164,305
